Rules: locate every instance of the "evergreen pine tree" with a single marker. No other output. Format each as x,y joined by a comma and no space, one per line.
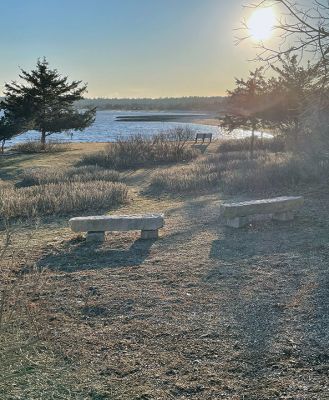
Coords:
45,101
9,129
246,105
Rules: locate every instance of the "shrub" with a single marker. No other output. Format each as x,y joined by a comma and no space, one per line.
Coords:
275,145
185,179
203,173
34,146
60,198
42,176
235,173
140,151
274,173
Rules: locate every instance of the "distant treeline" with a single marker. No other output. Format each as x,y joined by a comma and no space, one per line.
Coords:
213,104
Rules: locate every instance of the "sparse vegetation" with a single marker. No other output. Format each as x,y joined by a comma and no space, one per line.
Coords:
275,145
141,151
207,311
68,309
42,176
271,174
60,198
33,146
234,172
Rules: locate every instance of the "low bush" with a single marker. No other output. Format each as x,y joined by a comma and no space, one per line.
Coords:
274,145
192,177
140,151
60,198
235,173
272,174
203,173
34,146
42,176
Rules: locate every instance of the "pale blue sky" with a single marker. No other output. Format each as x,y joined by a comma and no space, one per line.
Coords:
128,48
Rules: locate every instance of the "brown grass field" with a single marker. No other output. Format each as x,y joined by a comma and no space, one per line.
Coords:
205,312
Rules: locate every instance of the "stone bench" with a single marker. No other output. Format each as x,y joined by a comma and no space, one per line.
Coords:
148,224
237,215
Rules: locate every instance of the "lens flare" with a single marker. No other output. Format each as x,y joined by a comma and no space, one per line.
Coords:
261,23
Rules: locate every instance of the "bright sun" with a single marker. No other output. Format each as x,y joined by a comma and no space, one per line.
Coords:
261,23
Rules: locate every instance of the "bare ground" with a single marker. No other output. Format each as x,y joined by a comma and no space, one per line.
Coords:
205,312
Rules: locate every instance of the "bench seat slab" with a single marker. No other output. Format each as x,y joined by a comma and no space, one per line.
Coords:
239,222
278,205
107,223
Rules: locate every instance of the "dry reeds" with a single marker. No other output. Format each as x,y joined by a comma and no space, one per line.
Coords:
234,172
60,198
35,146
42,176
141,151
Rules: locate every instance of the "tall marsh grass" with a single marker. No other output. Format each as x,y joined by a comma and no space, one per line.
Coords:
141,151
35,146
42,176
274,145
276,172
235,173
60,198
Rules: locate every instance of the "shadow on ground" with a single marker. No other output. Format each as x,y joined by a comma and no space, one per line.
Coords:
275,279
267,239
201,147
82,256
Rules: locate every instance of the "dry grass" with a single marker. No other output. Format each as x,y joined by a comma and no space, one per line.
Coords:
141,151
205,312
62,198
274,145
31,361
42,176
272,173
234,173
34,146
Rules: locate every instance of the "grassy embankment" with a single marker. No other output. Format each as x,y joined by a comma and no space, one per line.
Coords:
204,312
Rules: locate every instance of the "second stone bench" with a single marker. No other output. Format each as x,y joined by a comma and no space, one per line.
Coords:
237,215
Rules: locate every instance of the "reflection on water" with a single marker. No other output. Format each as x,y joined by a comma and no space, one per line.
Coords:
107,129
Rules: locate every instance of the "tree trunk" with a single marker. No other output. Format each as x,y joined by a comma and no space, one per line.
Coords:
43,140
252,143
296,133
3,146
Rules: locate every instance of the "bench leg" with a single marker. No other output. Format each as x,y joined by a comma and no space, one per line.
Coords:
147,235
284,216
95,237
237,222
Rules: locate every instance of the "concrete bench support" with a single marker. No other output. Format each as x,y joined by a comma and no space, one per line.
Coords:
148,224
237,215
95,237
147,235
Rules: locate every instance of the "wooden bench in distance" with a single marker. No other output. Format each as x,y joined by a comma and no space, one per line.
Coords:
237,215
203,136
148,224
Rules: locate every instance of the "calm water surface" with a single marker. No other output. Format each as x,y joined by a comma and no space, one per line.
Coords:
107,129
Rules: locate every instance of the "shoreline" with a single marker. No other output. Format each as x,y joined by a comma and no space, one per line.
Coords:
206,122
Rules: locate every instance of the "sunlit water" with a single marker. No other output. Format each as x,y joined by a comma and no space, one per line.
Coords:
107,129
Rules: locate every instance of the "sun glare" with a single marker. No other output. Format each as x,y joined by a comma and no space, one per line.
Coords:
261,23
